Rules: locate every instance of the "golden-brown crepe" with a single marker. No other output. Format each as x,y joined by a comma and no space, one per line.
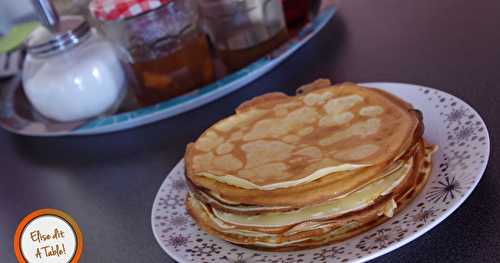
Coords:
275,141
325,188
318,232
288,173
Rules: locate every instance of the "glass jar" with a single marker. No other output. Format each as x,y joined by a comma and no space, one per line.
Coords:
72,73
243,30
298,12
162,40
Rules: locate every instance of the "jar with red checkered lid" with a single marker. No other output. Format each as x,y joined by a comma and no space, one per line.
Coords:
162,40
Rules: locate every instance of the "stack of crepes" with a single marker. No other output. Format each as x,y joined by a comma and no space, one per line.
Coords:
294,172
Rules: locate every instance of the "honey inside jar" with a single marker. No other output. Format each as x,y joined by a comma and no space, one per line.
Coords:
167,49
175,73
238,58
242,31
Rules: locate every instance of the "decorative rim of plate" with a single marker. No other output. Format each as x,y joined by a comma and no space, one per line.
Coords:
456,173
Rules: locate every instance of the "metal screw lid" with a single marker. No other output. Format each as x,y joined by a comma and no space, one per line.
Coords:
57,33
70,32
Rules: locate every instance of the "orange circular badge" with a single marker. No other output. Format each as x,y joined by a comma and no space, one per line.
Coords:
48,236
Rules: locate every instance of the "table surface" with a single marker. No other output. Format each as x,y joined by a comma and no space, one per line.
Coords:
108,182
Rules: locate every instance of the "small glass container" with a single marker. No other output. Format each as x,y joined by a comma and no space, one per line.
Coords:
244,30
71,73
298,12
162,40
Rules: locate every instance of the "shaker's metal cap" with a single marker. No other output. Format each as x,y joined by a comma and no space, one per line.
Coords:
69,32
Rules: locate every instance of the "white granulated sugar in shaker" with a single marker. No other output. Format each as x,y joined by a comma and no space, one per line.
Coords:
84,81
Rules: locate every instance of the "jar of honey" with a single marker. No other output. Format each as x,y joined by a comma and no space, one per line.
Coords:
162,40
243,30
298,12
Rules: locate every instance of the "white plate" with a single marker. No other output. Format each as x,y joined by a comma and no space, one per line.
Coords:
457,168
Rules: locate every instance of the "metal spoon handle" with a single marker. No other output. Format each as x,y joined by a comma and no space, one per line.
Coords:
46,12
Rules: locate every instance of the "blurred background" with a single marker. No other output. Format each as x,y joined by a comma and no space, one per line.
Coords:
12,12
20,11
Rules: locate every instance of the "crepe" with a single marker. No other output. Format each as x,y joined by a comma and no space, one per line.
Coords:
275,141
314,232
293,172
325,188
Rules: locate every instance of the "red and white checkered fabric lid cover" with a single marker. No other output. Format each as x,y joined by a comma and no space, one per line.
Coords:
120,9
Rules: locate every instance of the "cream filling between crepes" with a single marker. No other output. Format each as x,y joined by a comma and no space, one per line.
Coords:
355,201
243,183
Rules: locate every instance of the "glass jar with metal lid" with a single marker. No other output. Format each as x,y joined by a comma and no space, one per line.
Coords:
243,30
71,73
168,51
